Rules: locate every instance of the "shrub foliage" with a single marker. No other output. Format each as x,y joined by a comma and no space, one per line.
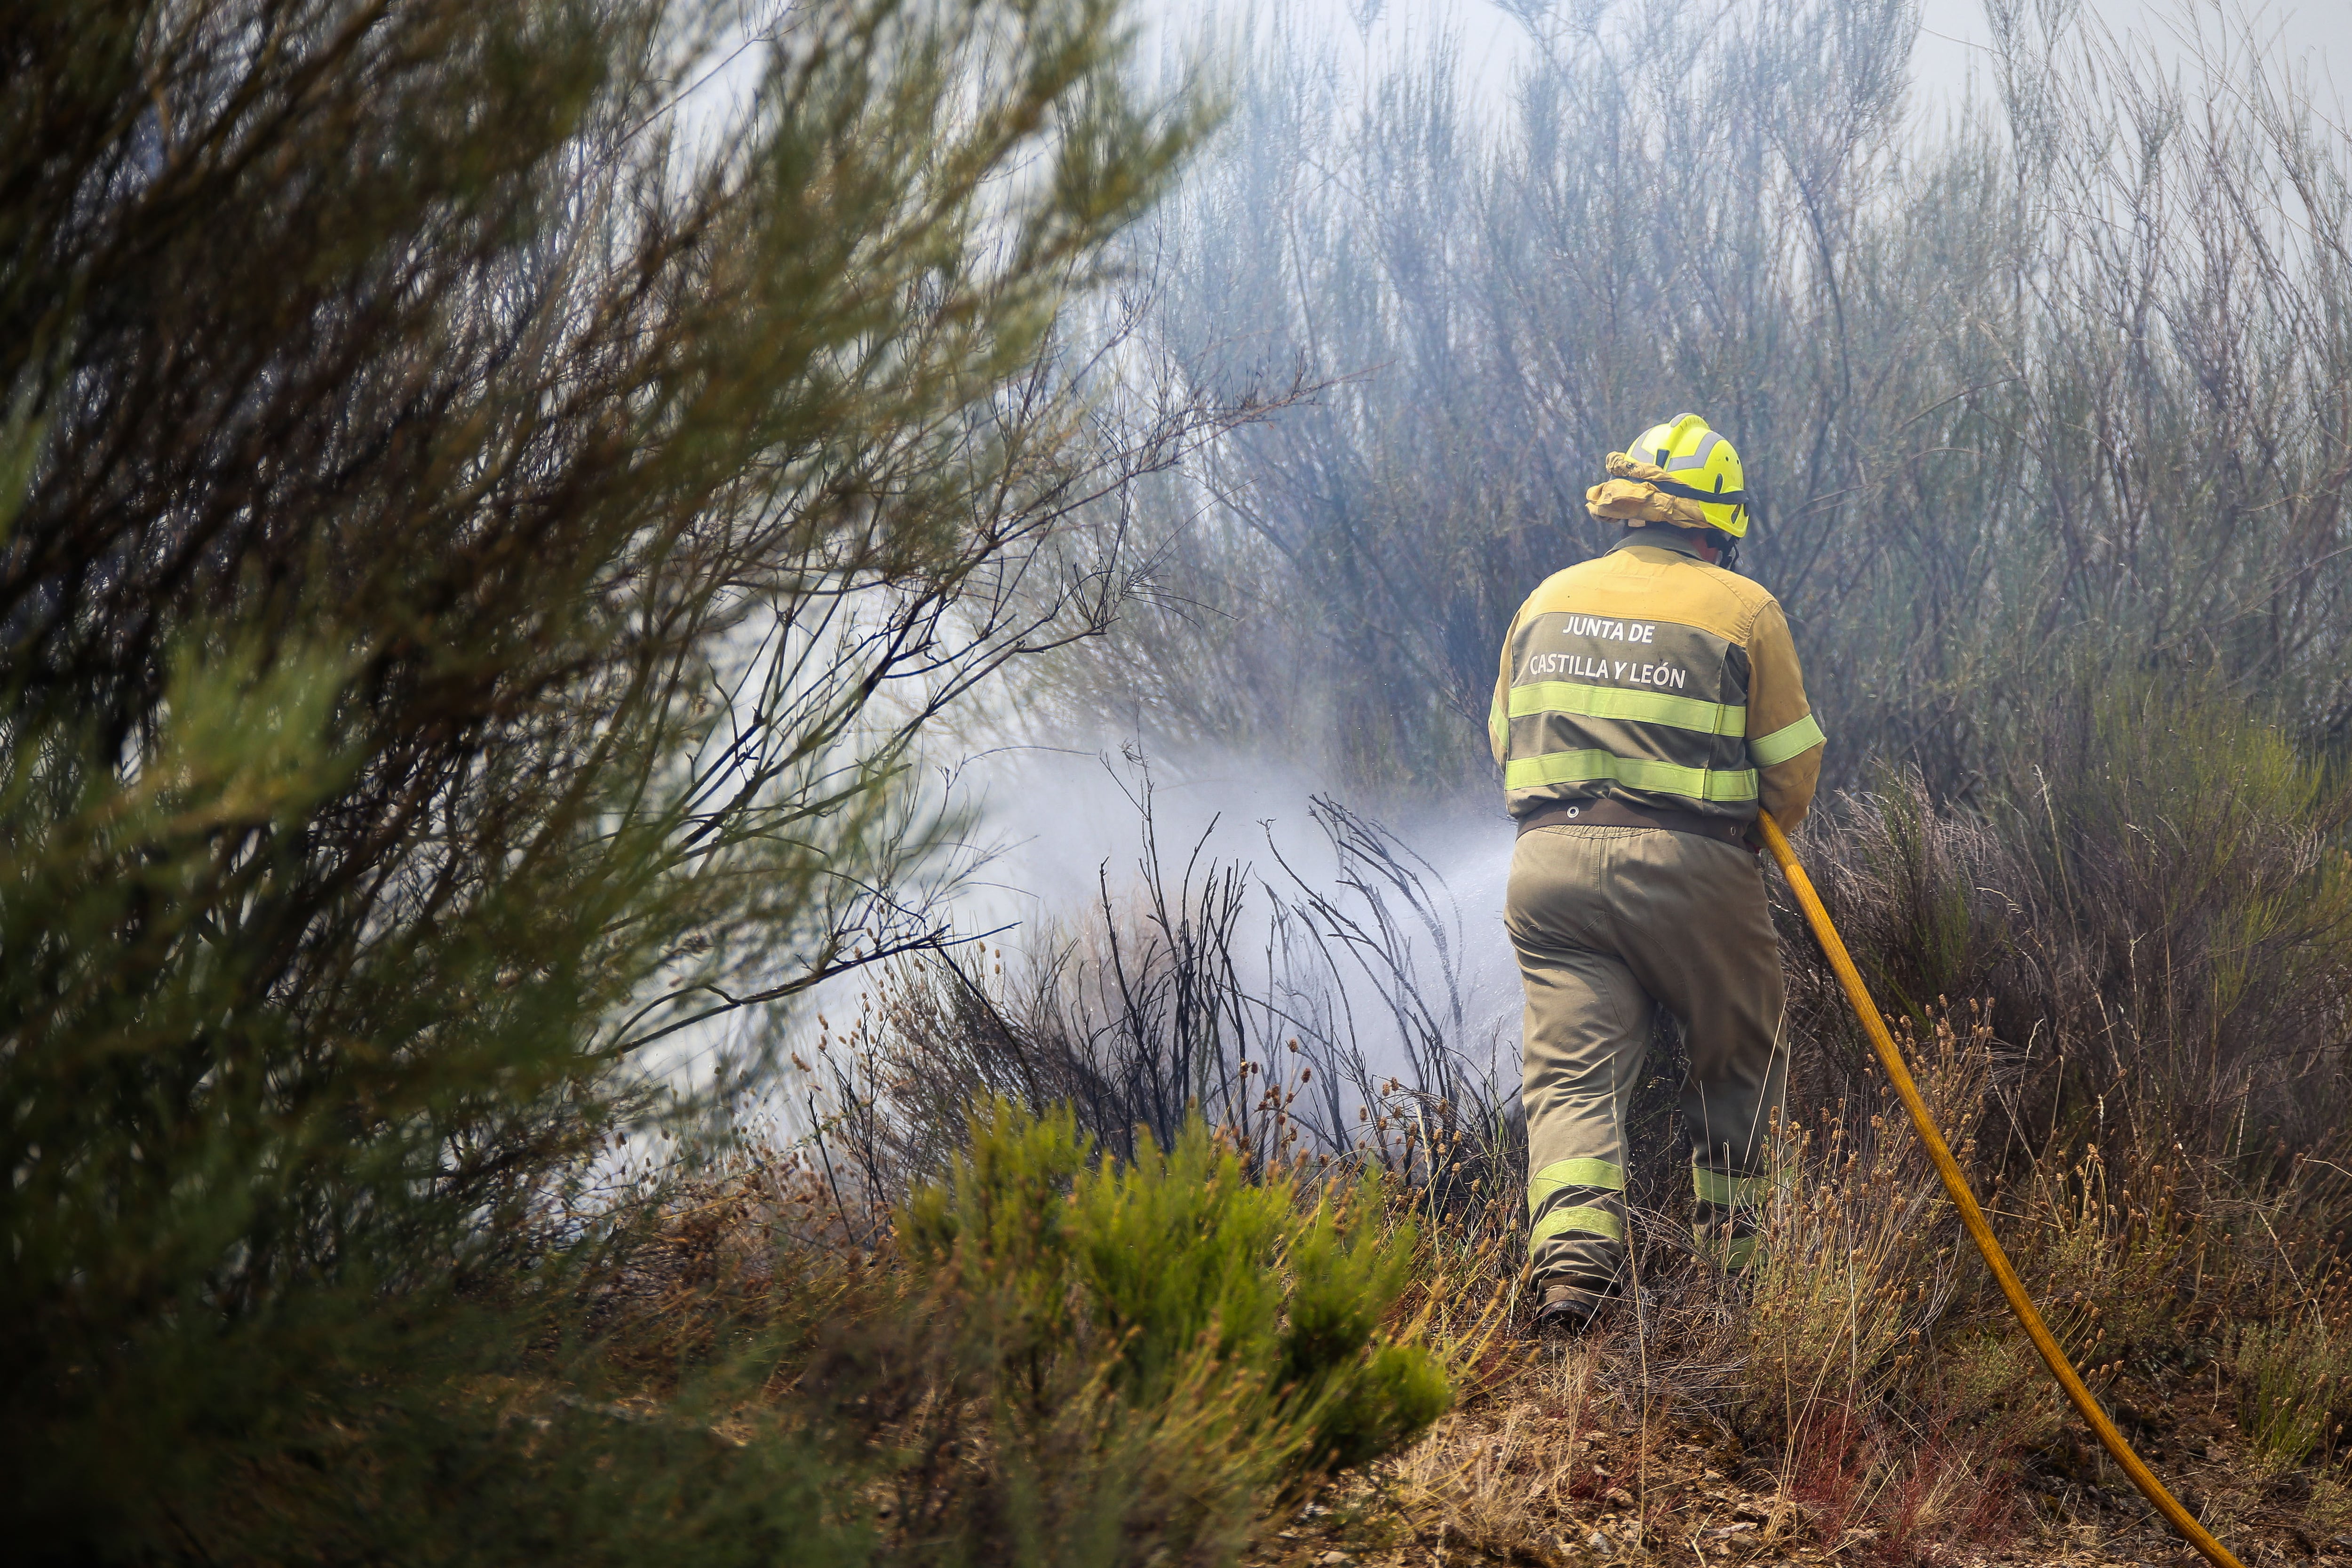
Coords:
1185,1254
476,548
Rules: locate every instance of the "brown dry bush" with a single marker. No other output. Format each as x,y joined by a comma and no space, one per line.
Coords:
1867,1384
1261,1000
1867,1377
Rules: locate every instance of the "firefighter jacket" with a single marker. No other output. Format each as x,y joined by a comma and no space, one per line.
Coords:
1647,676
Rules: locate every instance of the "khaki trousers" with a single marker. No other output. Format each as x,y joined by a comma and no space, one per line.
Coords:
1610,924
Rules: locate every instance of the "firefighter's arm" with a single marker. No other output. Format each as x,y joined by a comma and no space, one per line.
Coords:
1498,717
1784,741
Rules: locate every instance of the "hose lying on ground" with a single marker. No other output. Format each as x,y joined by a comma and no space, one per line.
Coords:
1970,1215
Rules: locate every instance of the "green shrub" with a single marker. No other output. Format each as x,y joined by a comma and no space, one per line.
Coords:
1182,1272
2294,1382
431,477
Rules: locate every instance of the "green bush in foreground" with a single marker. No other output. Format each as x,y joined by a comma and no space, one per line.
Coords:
478,544
1074,1364
1178,1280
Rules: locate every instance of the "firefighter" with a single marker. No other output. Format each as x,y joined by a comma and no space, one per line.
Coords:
1649,703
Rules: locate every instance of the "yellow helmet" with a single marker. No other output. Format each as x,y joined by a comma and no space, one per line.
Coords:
1701,465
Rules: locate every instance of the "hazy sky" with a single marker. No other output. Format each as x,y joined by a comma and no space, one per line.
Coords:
2315,33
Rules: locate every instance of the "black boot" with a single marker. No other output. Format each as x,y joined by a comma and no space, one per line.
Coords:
1570,1307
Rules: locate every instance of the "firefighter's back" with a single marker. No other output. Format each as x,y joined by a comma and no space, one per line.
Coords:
1647,675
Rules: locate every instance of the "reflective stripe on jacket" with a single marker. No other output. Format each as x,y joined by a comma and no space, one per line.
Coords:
1648,676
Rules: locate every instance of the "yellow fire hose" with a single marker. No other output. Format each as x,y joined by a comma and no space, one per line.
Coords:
1971,1216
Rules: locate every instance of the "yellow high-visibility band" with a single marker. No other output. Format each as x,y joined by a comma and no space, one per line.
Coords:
1789,741
1711,1240
1616,703
1738,1253
1497,726
1714,1187
1639,773
1606,1175
1588,1220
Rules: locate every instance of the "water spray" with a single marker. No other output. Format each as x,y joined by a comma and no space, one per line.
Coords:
1890,1059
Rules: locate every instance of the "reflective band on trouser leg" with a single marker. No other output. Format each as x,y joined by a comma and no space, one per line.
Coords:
1729,1192
1725,1236
1723,1221
1575,1196
1604,1175
1722,1242
1639,773
1583,1219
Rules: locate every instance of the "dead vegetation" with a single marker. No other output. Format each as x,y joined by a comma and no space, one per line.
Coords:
1865,1396
1865,1399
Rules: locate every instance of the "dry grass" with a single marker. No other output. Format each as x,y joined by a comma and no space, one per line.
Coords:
1863,1399
1866,1399
1864,1396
